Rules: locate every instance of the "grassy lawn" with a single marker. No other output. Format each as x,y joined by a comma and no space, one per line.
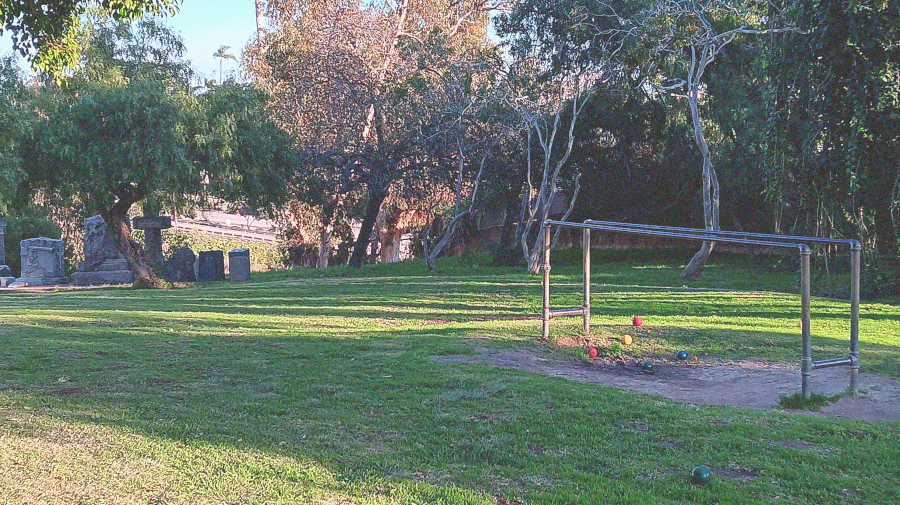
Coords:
322,387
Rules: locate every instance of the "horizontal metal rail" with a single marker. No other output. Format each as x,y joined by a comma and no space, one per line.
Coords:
687,236
807,365
578,311
833,362
853,244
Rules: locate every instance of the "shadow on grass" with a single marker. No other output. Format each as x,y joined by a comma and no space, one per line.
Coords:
342,374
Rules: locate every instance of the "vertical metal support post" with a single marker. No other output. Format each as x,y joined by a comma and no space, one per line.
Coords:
586,257
855,255
545,315
806,364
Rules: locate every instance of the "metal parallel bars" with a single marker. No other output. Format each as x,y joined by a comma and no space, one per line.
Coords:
855,262
782,241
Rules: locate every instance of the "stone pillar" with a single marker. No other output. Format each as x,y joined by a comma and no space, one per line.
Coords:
239,265
153,227
212,266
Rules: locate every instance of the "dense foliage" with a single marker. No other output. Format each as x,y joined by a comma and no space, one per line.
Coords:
128,127
46,30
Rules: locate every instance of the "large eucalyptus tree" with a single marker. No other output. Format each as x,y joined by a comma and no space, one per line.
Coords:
341,76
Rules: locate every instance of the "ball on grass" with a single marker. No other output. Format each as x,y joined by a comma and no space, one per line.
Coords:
682,355
700,475
592,352
637,321
627,340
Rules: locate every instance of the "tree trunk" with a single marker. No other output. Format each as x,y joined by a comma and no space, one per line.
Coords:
329,213
373,206
885,233
117,224
260,19
710,192
324,246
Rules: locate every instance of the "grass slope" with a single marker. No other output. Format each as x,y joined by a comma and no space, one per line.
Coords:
322,387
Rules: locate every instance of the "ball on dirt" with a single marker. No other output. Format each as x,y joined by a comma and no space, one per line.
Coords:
592,352
647,367
700,475
682,355
627,340
637,321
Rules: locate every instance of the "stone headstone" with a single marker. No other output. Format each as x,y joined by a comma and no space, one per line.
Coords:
239,265
6,277
42,263
153,227
103,263
180,267
212,266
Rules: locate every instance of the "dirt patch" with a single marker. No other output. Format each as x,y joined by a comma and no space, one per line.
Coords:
748,384
739,473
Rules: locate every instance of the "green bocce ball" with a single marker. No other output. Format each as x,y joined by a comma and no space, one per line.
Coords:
647,367
700,475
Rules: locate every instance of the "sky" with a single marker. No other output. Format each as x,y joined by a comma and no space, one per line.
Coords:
204,25
207,24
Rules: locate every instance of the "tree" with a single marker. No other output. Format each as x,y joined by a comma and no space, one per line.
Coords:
834,138
682,39
545,115
223,54
669,43
17,119
45,31
340,75
141,133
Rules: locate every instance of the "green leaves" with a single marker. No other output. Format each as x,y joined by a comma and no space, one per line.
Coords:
44,30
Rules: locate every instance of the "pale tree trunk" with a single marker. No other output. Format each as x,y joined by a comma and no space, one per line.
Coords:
710,189
432,254
260,19
329,214
538,206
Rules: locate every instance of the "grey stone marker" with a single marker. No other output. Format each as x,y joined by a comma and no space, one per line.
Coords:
239,265
42,263
103,263
6,277
212,266
180,267
153,227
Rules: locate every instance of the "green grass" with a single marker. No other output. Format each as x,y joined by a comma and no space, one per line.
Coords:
324,387
798,401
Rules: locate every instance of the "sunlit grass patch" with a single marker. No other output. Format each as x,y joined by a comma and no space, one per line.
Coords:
364,387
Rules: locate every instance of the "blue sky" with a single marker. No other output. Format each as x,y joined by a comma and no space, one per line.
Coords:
207,24
204,25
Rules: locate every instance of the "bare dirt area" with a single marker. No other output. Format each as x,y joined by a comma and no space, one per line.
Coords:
748,384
